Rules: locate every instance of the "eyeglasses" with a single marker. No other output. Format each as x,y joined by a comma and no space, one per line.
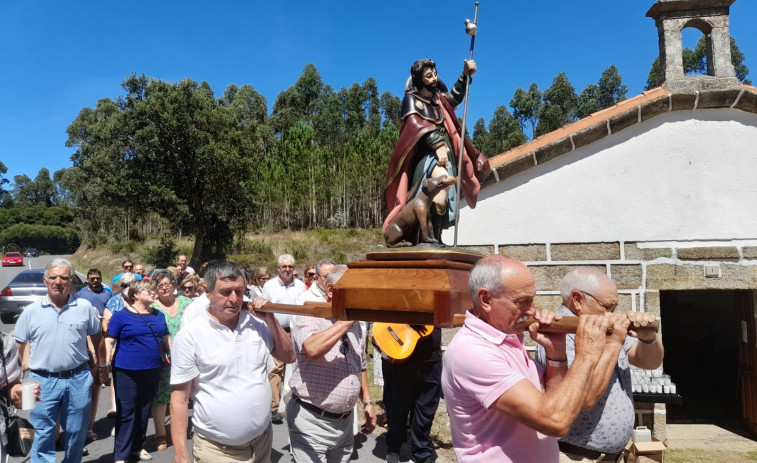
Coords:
310,274
94,278
286,266
165,286
607,307
127,267
188,288
264,278
345,346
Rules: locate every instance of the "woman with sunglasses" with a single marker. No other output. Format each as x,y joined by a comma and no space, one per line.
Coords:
139,331
309,276
190,286
262,275
172,307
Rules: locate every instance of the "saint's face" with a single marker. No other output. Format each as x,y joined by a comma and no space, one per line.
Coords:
430,79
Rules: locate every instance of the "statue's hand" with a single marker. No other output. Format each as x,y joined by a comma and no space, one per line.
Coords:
469,67
442,156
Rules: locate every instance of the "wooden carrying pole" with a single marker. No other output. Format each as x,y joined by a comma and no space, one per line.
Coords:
323,310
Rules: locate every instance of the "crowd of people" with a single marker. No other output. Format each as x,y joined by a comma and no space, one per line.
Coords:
166,342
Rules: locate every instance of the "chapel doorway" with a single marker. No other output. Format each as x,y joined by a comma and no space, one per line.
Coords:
702,335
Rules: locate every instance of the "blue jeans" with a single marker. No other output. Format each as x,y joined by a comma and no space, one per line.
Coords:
70,400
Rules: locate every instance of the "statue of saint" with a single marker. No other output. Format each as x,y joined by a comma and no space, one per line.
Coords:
428,145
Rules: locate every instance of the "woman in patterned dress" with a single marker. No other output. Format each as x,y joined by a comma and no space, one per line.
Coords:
172,307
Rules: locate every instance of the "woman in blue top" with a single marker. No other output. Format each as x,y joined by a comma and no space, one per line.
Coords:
136,330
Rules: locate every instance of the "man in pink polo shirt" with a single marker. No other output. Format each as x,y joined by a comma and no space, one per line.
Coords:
503,407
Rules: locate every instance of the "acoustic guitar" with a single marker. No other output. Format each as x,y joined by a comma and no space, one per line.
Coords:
397,341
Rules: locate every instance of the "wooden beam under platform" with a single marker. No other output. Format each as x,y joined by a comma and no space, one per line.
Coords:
419,285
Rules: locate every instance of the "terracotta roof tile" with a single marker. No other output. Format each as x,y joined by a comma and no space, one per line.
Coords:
612,120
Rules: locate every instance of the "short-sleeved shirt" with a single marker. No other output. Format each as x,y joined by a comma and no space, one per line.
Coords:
330,382
227,368
198,308
607,426
277,292
480,365
115,303
58,339
12,368
98,299
137,347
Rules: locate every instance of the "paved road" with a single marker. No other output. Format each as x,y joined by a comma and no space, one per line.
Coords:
371,449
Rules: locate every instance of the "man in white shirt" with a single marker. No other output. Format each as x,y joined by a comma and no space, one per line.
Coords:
281,290
220,362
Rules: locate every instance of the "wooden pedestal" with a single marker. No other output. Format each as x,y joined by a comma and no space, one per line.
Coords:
406,286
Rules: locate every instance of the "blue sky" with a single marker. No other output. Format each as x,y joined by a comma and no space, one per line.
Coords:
59,57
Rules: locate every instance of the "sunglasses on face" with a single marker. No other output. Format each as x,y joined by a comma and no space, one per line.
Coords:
188,288
311,274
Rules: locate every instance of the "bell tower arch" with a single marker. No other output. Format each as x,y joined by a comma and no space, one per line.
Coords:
711,17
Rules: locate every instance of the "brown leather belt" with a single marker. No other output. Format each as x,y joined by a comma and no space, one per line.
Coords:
588,453
320,411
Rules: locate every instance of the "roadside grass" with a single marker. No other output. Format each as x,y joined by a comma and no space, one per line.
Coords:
260,248
699,455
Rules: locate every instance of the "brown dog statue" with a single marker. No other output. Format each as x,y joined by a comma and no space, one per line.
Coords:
416,215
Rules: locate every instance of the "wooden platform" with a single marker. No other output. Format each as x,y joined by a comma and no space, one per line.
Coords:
419,286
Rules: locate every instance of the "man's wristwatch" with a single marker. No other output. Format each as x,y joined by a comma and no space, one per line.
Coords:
557,363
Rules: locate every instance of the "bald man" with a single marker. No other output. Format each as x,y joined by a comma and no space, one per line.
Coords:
603,428
502,406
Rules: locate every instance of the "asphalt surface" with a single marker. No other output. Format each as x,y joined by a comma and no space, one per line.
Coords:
370,448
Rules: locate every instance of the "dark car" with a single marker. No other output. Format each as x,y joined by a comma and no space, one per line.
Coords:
31,252
25,288
13,258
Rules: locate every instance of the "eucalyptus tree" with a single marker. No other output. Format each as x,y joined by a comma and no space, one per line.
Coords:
526,105
560,101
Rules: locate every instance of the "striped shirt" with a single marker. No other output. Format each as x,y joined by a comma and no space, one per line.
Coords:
331,382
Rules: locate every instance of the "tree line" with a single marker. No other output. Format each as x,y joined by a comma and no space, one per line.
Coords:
174,158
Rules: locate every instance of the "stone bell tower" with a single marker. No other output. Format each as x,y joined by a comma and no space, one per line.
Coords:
711,17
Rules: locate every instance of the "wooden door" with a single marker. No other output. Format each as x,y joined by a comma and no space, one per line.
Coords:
747,311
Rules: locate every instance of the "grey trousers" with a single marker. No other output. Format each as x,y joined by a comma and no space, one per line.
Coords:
319,439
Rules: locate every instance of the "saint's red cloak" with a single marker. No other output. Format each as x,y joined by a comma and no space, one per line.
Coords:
474,170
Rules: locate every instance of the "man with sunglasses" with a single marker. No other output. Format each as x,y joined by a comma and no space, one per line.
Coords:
128,267
329,378
98,296
601,432
95,292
